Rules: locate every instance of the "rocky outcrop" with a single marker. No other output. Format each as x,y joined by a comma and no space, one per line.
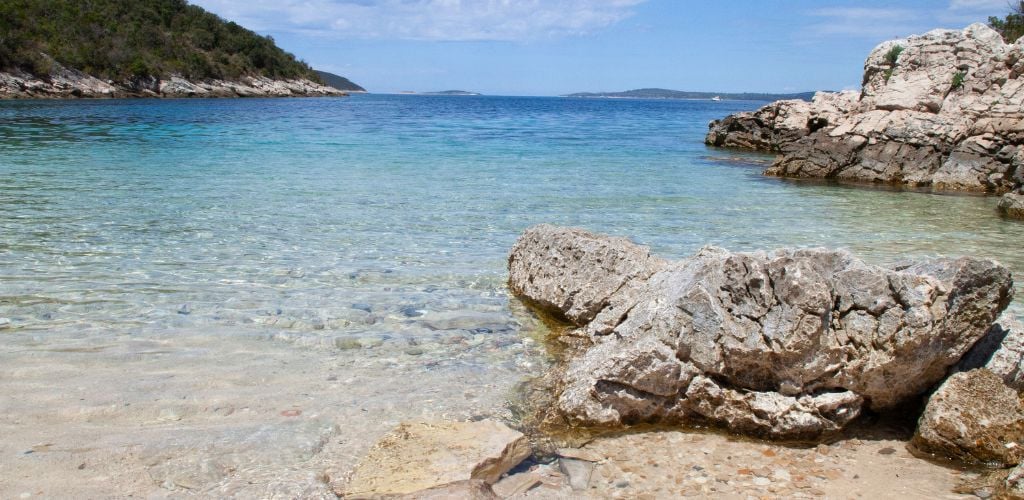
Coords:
944,110
975,417
780,123
65,83
419,456
790,343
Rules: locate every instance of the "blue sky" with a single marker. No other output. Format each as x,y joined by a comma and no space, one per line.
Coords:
551,47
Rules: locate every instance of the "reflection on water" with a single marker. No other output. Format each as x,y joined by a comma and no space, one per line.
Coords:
378,214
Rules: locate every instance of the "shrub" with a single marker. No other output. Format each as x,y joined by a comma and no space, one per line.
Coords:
893,55
890,59
958,80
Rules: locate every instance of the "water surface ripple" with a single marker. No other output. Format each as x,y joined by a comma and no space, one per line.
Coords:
363,215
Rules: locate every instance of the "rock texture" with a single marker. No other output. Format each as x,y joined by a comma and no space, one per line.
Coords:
69,83
973,416
947,114
1012,205
423,455
780,123
790,343
1001,352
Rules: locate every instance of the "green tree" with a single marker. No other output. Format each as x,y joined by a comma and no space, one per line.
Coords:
1011,27
124,39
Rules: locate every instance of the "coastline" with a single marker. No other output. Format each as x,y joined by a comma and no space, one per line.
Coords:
66,83
321,308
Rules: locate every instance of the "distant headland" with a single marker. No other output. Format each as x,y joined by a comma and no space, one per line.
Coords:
161,48
653,93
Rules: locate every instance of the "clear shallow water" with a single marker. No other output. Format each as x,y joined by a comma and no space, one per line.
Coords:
375,215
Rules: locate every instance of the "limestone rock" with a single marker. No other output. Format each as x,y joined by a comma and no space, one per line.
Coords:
417,456
973,416
1000,351
778,124
788,343
946,113
1012,205
66,82
580,271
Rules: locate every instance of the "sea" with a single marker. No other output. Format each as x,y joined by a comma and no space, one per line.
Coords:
163,214
238,297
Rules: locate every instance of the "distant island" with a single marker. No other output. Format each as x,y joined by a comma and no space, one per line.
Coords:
452,92
338,82
679,94
157,48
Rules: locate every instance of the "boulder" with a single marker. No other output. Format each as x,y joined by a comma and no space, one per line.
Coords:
418,456
789,343
943,110
582,270
975,417
1011,205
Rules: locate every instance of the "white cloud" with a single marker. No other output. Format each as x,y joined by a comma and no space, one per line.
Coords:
979,4
452,20
865,21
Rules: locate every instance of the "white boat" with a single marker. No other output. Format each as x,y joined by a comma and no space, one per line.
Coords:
716,98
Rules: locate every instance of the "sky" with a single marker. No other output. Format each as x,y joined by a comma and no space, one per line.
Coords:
554,47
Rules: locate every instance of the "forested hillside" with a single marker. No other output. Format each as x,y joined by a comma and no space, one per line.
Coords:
124,39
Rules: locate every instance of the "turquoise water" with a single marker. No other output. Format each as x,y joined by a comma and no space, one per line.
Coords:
373,214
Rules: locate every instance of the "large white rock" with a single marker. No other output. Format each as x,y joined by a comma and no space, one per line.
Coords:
787,343
947,114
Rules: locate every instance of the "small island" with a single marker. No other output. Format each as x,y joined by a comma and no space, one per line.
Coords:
654,93
452,92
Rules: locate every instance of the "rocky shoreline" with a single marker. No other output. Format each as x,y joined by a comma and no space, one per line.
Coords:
942,111
67,83
811,345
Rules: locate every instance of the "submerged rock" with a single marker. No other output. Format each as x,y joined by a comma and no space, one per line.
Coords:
473,489
973,416
943,110
790,343
422,455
